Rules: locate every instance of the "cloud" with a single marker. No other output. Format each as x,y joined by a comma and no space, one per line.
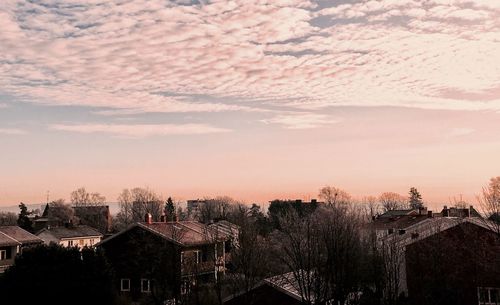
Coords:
300,120
118,54
140,130
12,131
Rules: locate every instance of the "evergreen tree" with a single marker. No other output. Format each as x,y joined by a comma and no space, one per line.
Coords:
415,199
170,209
23,220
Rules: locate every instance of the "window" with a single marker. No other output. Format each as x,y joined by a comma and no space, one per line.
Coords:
70,243
197,256
145,285
488,296
81,242
91,241
125,285
3,254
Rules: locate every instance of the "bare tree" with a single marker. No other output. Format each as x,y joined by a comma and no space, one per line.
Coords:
393,258
249,254
61,212
392,201
490,203
303,253
8,219
81,197
334,196
371,205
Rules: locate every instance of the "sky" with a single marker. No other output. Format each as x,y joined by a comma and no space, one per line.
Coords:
253,99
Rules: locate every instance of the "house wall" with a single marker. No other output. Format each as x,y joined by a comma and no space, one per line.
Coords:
138,254
11,252
80,242
448,267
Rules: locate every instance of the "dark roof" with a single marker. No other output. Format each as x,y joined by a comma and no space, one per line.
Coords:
396,213
461,212
71,232
397,222
183,233
6,240
19,234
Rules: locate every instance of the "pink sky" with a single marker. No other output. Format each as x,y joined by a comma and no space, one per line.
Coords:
255,100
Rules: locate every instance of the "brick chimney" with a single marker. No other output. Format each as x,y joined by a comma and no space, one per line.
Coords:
446,212
148,218
429,214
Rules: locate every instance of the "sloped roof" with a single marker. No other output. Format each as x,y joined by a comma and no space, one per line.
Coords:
184,233
71,232
286,283
19,234
6,240
395,213
400,222
226,227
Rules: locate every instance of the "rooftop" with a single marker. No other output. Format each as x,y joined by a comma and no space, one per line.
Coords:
71,232
19,234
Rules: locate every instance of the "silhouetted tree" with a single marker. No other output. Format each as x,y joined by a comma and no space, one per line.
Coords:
23,220
170,209
415,199
392,201
81,197
58,275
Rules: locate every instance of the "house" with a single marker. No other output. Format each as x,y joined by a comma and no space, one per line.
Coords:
165,260
396,221
401,261
71,236
277,290
458,265
97,217
12,241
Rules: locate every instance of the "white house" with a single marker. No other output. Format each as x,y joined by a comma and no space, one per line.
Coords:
71,236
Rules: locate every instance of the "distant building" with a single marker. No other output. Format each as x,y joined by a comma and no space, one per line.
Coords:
174,256
194,207
12,241
71,236
97,217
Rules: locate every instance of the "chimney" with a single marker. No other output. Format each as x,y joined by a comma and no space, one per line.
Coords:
467,213
446,212
422,211
429,214
163,218
314,201
148,218
471,208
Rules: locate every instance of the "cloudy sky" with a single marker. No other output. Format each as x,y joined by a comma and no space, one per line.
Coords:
253,99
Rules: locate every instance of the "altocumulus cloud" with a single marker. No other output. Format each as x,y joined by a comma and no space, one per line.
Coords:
140,130
295,53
